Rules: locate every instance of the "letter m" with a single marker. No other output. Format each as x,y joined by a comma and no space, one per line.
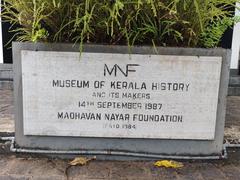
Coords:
107,71
56,83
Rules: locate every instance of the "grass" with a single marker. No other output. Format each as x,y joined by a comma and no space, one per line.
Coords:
190,23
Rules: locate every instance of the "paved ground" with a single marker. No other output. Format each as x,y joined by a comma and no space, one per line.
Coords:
232,127
23,167
12,167
6,111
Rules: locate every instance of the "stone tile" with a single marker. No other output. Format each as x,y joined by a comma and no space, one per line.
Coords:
163,173
230,171
44,169
233,111
94,170
50,177
209,171
20,167
130,170
139,178
33,167
75,172
3,164
7,124
6,111
99,169
189,171
13,177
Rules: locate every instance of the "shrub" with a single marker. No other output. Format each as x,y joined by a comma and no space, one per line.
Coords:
194,23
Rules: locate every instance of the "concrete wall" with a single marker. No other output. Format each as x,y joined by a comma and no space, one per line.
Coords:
153,146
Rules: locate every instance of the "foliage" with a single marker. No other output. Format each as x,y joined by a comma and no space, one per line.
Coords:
159,22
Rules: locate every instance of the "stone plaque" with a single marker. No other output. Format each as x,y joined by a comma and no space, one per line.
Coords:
120,95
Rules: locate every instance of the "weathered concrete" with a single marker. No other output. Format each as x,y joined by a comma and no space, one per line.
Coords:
35,168
232,126
234,91
6,76
6,112
6,85
234,81
177,147
6,72
234,86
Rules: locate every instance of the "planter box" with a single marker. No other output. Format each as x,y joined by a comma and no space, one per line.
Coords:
170,103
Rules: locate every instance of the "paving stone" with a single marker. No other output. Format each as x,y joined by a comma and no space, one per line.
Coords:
33,167
189,171
77,172
233,111
6,111
161,172
128,170
44,169
99,169
50,177
209,172
13,177
94,170
3,164
230,171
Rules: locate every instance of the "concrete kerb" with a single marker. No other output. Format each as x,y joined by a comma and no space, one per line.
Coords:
143,156
14,149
